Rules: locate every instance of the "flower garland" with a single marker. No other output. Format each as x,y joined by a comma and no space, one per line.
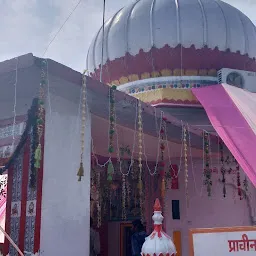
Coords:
140,185
186,164
238,180
40,117
80,172
111,131
223,169
123,197
207,171
120,153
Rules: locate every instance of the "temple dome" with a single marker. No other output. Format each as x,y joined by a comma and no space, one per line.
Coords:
148,24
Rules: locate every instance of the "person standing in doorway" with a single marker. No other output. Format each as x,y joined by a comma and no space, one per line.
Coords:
94,240
138,237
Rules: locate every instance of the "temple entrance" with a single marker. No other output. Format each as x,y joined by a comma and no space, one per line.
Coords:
125,239
117,200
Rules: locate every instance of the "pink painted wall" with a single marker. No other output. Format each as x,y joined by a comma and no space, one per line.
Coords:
205,212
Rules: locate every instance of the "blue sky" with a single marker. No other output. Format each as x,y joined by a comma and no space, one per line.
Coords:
29,25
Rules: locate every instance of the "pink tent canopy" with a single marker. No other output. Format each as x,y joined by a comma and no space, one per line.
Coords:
232,113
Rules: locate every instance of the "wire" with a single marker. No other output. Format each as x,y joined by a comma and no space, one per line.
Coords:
15,104
61,27
103,35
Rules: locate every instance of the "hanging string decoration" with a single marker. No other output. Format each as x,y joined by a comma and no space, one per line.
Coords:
162,163
123,197
111,131
246,184
140,185
223,169
207,171
99,199
238,180
111,118
186,164
125,183
80,172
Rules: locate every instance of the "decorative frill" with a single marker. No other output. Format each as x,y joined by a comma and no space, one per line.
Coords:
158,243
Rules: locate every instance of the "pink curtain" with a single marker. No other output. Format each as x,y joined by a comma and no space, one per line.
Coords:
231,126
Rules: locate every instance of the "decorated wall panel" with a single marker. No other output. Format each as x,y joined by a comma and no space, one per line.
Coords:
23,215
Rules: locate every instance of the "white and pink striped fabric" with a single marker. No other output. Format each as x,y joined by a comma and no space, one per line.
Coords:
232,112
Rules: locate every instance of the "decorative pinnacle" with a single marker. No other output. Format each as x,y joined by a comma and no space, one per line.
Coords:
157,206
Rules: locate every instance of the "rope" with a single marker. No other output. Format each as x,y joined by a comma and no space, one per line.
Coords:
11,241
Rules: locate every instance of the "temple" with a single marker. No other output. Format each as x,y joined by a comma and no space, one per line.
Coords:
165,113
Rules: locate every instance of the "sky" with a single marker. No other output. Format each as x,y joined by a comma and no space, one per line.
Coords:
28,26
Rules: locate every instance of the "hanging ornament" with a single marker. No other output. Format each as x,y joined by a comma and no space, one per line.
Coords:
99,199
207,171
110,171
246,184
111,118
223,170
40,115
238,179
140,185
80,172
123,197
39,130
186,164
162,163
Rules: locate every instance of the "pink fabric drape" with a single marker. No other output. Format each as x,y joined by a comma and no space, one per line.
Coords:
231,126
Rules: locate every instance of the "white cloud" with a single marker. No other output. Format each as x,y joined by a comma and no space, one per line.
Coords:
29,25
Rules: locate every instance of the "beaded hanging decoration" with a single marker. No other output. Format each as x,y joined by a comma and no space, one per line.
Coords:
186,164
246,184
80,172
140,185
123,197
223,169
238,179
207,171
162,163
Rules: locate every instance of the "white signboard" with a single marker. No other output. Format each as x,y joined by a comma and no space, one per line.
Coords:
223,241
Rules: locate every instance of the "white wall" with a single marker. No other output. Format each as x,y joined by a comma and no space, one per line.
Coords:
66,202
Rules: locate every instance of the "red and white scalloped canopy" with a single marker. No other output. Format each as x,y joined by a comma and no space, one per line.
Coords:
155,23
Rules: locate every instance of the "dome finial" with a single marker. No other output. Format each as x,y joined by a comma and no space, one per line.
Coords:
158,242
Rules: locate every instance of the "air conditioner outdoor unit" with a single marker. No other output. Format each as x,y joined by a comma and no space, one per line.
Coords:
239,78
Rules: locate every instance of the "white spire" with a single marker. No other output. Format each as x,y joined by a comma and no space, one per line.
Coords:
158,243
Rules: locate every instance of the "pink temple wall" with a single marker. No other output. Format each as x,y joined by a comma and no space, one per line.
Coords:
205,212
